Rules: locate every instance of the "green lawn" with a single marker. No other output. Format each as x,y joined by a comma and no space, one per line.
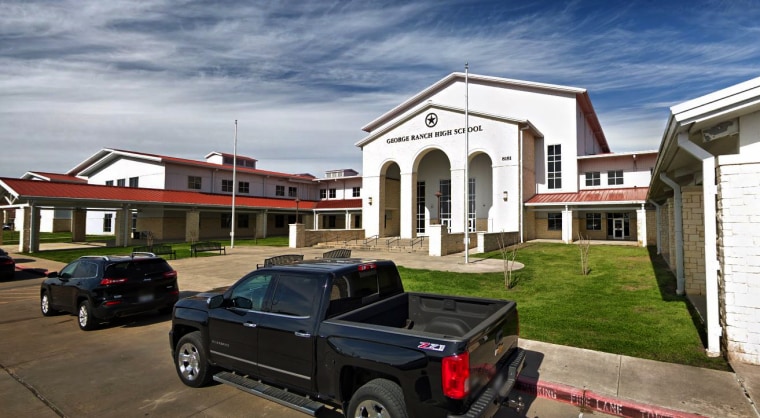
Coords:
626,305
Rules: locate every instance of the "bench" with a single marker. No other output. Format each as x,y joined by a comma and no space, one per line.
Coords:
339,253
157,250
207,246
280,260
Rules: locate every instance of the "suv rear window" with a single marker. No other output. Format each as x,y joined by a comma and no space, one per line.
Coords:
140,267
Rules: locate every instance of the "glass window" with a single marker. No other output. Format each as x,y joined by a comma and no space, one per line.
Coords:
252,288
107,222
242,221
292,191
555,221
84,269
121,182
333,193
554,166
227,186
420,207
226,220
615,177
134,182
323,193
593,221
356,192
593,178
109,182
279,221
294,295
279,190
194,182
244,187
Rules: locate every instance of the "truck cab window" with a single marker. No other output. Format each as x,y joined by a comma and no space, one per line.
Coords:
253,288
294,295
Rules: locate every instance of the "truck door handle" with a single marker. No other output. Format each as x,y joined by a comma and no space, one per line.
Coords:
249,324
302,334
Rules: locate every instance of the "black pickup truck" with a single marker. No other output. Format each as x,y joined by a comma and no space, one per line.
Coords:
344,333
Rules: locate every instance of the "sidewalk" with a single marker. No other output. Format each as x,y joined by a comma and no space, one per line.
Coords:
608,383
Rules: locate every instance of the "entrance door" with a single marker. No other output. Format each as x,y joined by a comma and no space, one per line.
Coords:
618,228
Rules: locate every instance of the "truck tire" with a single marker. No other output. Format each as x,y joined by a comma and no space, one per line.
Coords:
191,362
378,398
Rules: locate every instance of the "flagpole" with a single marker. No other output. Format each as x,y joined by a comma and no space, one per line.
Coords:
234,187
466,163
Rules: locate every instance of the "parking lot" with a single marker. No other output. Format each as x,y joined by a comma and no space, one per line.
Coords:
124,369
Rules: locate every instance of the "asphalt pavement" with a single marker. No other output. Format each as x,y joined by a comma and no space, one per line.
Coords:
594,381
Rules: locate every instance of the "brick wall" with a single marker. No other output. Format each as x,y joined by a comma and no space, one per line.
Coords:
693,240
739,258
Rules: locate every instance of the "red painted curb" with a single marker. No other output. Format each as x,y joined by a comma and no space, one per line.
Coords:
587,399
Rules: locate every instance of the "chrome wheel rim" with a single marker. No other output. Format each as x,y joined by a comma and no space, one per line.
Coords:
188,361
371,409
84,316
45,303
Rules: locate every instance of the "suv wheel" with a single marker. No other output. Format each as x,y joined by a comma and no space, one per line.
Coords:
87,321
45,305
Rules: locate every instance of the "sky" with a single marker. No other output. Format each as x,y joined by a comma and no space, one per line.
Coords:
302,78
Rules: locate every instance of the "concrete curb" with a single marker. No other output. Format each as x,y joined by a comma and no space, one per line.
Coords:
587,399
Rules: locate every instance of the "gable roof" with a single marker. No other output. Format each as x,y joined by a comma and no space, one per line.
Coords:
54,177
376,134
107,155
581,96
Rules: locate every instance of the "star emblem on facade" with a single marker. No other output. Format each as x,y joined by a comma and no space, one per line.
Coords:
431,120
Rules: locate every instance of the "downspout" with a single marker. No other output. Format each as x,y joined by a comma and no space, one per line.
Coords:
521,215
678,214
712,266
31,227
658,219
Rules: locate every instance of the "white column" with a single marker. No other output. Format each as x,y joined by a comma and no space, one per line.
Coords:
567,225
457,203
406,210
348,220
641,226
710,190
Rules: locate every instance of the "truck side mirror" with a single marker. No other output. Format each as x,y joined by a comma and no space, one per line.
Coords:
242,303
215,301
53,274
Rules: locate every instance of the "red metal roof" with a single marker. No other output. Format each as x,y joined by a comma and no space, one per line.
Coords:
339,204
636,194
50,191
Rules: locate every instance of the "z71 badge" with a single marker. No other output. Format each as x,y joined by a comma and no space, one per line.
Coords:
431,346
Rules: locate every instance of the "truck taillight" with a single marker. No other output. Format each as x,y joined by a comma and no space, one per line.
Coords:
367,266
455,372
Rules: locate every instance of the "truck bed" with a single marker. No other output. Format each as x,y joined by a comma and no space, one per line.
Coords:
443,315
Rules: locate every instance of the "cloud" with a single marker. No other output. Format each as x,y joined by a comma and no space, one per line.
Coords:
302,78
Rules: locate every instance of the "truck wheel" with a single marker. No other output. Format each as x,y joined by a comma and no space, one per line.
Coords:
45,305
190,360
380,398
87,320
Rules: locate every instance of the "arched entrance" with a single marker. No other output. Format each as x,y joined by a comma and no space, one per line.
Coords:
390,201
433,191
480,199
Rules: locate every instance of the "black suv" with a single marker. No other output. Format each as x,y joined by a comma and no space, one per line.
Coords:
100,288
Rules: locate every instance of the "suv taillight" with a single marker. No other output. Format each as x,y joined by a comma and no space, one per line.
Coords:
455,373
106,281
172,274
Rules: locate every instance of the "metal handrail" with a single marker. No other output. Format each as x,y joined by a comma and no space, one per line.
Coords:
391,241
419,240
374,237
